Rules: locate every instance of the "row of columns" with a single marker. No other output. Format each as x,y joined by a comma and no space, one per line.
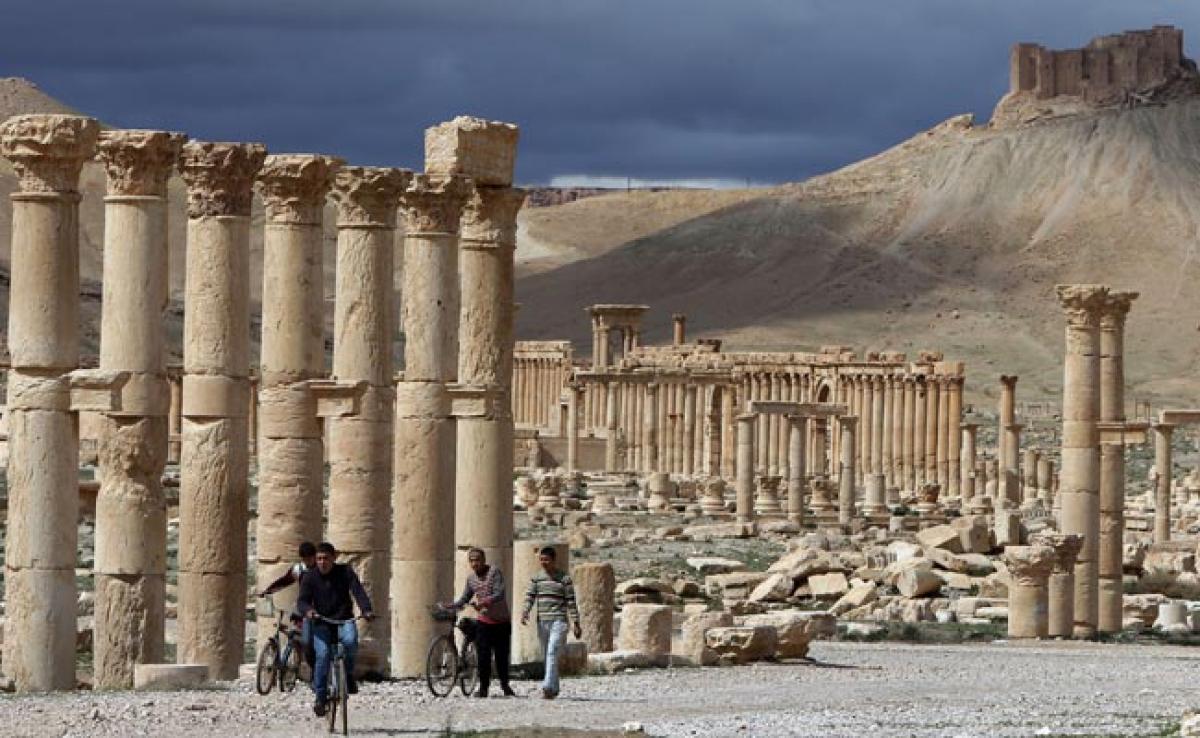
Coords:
537,387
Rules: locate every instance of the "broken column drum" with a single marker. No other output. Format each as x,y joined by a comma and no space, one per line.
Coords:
1028,597
48,152
131,513
213,503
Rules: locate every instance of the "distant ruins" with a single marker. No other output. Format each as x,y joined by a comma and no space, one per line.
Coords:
1106,70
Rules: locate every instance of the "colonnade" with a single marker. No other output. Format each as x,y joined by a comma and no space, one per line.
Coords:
541,370
393,495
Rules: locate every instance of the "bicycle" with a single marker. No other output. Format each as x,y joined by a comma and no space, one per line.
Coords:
278,665
338,694
445,665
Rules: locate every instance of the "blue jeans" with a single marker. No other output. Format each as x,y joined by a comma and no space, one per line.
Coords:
552,634
323,642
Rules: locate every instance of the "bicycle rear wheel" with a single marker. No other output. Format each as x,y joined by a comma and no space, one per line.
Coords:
441,666
290,667
468,669
331,703
264,675
344,695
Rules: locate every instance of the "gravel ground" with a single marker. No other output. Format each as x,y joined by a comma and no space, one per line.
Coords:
851,689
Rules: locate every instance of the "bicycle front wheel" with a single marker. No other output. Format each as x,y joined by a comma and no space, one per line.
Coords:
264,675
344,695
441,666
468,669
331,705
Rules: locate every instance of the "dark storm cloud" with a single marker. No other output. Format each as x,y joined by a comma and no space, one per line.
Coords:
765,90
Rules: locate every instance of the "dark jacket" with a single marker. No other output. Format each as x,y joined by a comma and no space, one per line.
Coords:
329,594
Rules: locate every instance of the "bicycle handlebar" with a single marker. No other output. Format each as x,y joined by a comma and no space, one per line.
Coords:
331,621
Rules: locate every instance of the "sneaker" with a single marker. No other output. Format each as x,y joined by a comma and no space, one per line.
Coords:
547,694
481,694
508,692
319,708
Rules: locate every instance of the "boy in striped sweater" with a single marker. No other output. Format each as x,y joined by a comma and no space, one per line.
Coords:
552,594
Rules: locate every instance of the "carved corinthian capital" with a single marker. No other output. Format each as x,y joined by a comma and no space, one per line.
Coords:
48,151
1066,547
139,162
490,217
1082,303
293,186
1029,565
220,176
1116,308
434,204
368,196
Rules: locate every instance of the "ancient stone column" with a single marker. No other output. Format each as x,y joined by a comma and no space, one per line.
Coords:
1081,442
423,490
616,395
1007,409
849,425
745,467
943,435
1029,476
894,409
174,417
678,323
689,429
1061,586
650,432
908,475
1162,481
1028,595
967,462
954,452
878,424
1010,479
574,395
131,513
932,395
1112,461
819,466
867,429
291,475
796,468
920,409
360,446
595,585
47,152
213,504
728,401
1045,478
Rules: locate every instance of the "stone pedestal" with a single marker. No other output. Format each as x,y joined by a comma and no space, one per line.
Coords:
1028,596
291,476
131,513
360,446
1061,584
767,500
658,491
216,357
595,584
423,488
713,500
1081,443
47,152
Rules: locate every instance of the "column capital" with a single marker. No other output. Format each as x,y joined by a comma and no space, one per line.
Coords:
48,151
1029,565
368,196
138,163
1009,381
294,186
434,204
1082,303
1066,547
490,217
848,421
220,176
1116,308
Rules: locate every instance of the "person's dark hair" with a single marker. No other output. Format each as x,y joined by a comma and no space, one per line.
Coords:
326,547
475,550
307,549
548,551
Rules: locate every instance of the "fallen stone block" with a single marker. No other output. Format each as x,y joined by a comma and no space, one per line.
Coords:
742,644
692,645
775,588
612,662
918,582
161,677
858,596
941,537
706,565
645,628
794,630
828,586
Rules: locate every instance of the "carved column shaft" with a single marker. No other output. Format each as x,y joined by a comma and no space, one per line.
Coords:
131,514
1112,462
849,426
954,452
1162,482
797,464
745,467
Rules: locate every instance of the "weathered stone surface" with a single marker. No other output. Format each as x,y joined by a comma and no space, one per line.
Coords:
161,677
918,582
943,537
735,585
645,628
775,588
794,630
706,565
471,147
974,533
594,590
832,585
613,662
742,644
692,637
859,595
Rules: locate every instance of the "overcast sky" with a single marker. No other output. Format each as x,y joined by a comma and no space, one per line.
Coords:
717,91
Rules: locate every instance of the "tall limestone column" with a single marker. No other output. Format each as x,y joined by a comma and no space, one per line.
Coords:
574,395
131,513
1009,478
48,152
967,479
849,425
728,401
689,429
360,446
920,407
174,415
907,425
1162,481
932,395
291,473
796,468
650,429
954,452
1080,480
1029,570
875,492
612,418
213,504
943,434
745,467
895,431
1112,460
423,492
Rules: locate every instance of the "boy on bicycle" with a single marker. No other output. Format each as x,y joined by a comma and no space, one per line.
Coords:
308,560
327,591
